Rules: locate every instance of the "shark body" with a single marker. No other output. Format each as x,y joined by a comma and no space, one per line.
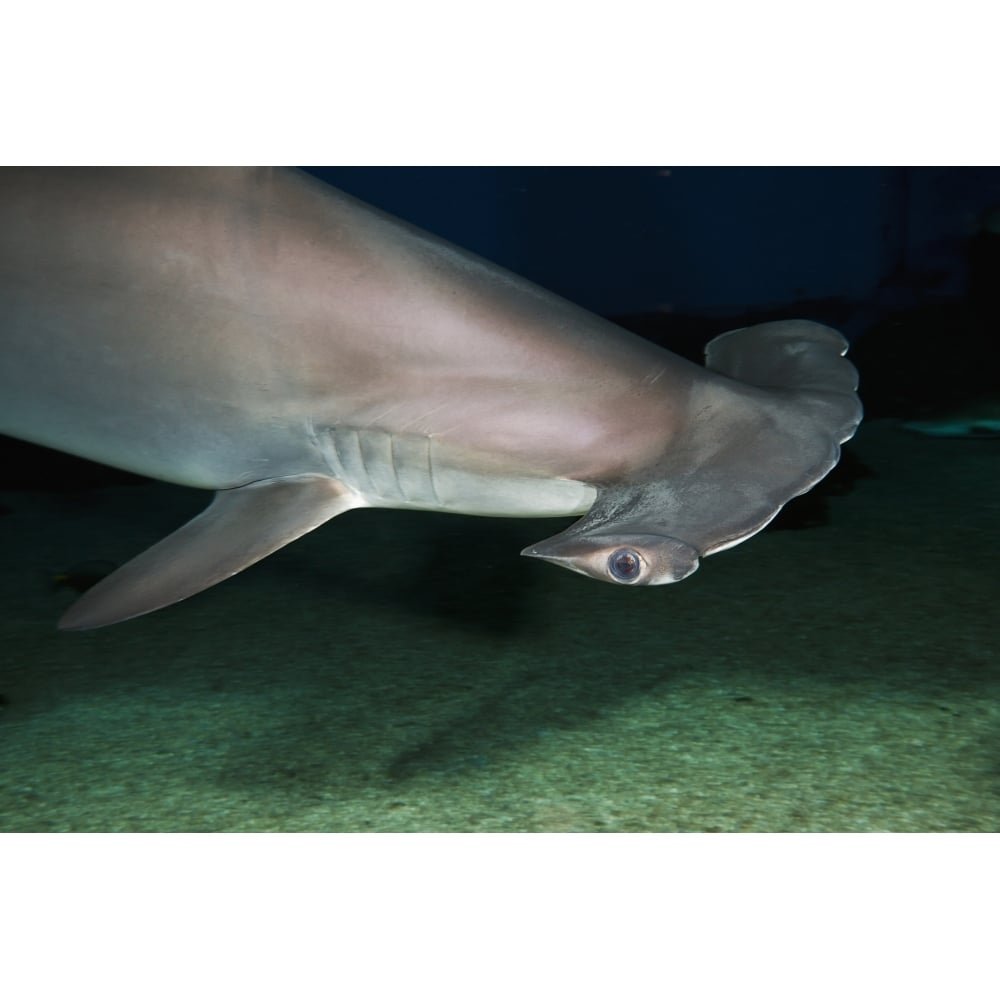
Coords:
260,334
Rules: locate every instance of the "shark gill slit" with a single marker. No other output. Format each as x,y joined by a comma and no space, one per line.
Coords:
395,466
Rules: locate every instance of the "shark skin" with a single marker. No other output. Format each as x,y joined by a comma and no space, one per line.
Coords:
255,332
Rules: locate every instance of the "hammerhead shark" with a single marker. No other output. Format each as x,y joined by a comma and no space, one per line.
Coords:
258,333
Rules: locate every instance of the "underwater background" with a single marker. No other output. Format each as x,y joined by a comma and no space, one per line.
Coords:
402,671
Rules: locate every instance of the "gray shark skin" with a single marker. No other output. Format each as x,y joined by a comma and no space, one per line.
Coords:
260,334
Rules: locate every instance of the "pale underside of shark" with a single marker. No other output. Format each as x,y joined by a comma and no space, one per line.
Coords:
260,334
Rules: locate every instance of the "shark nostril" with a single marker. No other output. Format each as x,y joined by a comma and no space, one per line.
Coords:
625,565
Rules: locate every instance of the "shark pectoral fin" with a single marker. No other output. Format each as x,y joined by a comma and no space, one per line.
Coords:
237,529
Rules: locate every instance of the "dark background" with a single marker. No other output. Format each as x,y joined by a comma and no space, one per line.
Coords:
709,241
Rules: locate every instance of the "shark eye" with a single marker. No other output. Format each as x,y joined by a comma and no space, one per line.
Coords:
625,565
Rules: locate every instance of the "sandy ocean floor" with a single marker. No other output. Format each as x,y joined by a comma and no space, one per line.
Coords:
406,671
